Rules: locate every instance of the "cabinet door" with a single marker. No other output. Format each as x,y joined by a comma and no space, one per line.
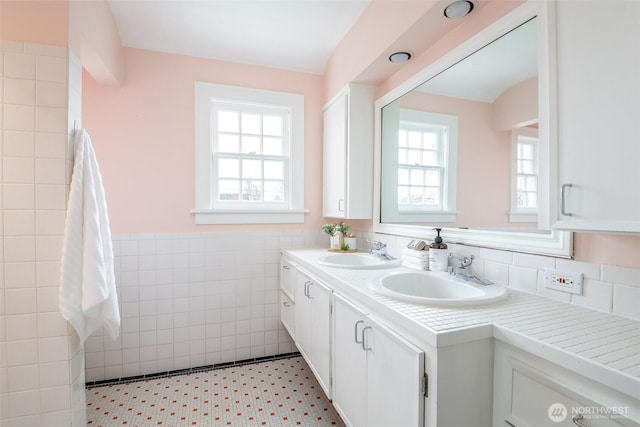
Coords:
395,371
313,327
303,315
535,404
350,369
533,392
320,297
598,64
334,158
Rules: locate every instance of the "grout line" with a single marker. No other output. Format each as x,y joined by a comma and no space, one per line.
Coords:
205,368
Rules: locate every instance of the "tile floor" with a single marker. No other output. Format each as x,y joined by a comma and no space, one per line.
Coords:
276,393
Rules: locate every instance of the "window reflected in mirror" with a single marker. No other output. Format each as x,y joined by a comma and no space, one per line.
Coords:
524,175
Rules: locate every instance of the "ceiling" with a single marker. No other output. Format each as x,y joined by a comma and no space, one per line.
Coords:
297,35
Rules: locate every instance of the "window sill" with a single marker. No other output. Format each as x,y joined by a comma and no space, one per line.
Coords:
523,217
209,216
417,216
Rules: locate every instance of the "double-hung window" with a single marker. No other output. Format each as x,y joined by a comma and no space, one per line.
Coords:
524,175
249,155
249,146
420,172
421,168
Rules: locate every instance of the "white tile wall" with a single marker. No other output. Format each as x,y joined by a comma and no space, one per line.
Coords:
607,288
41,362
195,299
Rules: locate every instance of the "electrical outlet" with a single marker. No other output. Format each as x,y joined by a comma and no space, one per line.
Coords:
563,281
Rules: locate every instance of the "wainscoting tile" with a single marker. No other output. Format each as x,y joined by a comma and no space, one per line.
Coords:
196,298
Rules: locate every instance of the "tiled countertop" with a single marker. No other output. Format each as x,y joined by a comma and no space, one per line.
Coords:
600,346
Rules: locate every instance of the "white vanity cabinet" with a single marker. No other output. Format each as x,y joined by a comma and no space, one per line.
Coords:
313,326
378,376
598,108
348,154
532,392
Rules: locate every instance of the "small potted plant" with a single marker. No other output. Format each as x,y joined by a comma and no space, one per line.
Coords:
330,229
349,241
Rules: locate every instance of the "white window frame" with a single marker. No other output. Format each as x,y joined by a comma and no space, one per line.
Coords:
441,152
517,214
207,211
449,152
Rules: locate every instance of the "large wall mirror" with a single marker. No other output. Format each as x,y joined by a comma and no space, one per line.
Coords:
463,145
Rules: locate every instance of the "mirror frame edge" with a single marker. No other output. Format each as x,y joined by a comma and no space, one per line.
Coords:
556,243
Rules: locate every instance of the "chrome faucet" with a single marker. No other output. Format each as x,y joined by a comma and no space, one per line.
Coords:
463,270
379,249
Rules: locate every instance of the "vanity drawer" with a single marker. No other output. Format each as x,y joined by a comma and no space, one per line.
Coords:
287,314
288,277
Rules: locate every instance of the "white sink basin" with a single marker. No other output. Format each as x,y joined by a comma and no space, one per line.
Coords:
437,289
357,260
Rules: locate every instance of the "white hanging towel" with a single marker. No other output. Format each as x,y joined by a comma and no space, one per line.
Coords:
88,297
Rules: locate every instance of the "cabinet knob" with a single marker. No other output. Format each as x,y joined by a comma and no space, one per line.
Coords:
286,304
286,267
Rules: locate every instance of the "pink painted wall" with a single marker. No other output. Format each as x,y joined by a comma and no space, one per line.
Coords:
611,249
35,21
143,132
517,106
93,35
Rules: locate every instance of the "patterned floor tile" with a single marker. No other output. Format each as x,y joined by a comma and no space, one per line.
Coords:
278,393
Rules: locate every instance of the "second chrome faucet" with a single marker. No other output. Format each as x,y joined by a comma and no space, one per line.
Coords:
463,270
379,249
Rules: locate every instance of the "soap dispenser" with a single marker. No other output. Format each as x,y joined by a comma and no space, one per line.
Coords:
438,254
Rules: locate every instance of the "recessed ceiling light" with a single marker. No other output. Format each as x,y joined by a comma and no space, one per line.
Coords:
400,57
458,9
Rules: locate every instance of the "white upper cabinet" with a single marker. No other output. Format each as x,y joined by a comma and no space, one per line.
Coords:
597,187
348,154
